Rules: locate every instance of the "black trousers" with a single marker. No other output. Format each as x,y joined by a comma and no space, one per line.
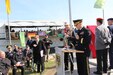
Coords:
102,60
19,67
40,65
111,55
82,64
68,58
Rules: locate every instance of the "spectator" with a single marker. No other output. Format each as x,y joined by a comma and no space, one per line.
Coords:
68,57
28,55
38,53
15,48
47,43
101,41
19,62
4,63
29,42
110,23
10,54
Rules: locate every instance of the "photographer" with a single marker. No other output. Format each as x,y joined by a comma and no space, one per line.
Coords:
47,43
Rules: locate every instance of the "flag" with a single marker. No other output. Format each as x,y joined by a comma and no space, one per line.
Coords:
8,6
22,39
99,4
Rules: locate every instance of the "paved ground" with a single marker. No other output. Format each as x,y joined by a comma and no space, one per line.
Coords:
92,63
92,68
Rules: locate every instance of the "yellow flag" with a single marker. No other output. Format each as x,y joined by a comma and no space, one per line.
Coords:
99,4
8,6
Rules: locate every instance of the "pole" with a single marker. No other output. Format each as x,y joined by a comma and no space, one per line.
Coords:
9,29
103,17
70,15
70,20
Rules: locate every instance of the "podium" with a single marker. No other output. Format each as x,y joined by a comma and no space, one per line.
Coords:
60,58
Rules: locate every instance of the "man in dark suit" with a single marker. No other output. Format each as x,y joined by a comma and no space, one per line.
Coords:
110,23
38,53
28,55
19,62
10,54
81,38
4,64
15,50
29,42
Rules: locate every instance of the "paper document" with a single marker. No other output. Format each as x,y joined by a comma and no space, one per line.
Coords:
41,53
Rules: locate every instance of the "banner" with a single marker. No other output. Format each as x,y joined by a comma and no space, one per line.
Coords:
22,39
99,4
31,34
8,6
92,44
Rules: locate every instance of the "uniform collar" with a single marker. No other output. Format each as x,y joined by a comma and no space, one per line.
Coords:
78,29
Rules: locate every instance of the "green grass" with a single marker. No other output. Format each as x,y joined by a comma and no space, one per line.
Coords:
48,65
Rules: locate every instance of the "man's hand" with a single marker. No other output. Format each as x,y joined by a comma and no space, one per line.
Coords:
34,45
77,36
19,64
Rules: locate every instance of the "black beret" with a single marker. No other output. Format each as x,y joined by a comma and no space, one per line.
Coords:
100,20
110,19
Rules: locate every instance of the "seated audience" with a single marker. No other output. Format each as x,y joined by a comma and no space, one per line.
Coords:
4,64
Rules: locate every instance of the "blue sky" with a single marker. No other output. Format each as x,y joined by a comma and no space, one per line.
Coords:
55,10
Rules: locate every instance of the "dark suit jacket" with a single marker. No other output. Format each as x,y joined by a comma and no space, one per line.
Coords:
111,30
36,51
4,65
10,56
27,54
84,40
29,43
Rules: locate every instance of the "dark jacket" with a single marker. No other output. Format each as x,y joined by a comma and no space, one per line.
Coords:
47,42
36,51
111,30
29,43
84,40
10,56
19,57
4,65
27,54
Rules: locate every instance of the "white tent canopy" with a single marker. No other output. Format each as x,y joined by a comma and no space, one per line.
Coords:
36,23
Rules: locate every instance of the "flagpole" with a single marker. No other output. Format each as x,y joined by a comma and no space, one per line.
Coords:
70,15
9,29
70,20
103,17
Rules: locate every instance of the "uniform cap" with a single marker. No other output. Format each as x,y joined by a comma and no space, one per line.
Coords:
110,19
76,22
